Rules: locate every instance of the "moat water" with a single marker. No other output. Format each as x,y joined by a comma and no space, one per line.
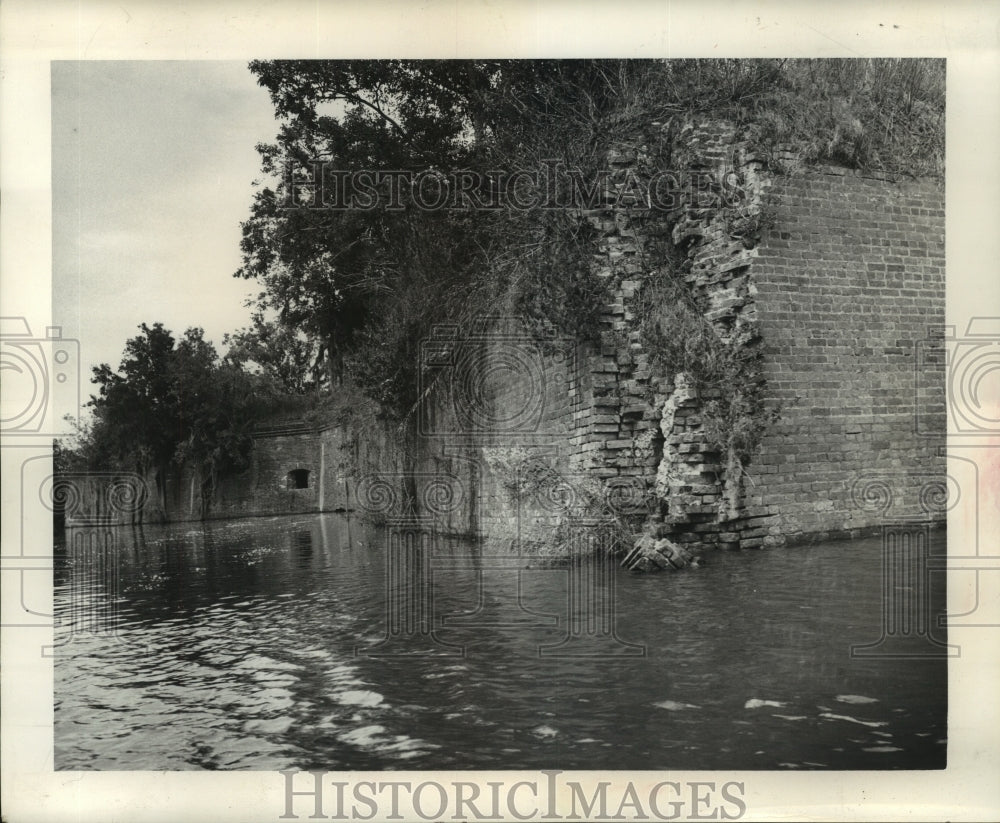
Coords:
293,642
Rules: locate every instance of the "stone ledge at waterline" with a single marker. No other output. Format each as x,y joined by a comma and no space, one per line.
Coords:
653,554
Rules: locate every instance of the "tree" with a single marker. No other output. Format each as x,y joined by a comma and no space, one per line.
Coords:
291,361
172,403
365,284
135,421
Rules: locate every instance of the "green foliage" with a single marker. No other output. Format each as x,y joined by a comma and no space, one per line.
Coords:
364,286
369,284
726,374
290,361
528,480
66,457
882,114
171,402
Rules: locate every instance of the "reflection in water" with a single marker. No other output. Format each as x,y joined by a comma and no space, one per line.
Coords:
302,548
319,642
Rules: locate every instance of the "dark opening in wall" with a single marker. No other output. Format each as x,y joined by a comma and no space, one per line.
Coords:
298,479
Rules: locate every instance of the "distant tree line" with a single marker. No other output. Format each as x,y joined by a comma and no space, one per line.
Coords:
173,401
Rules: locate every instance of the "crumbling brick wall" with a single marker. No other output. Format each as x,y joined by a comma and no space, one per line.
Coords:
838,275
832,275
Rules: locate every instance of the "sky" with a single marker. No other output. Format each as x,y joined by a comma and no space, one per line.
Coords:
153,164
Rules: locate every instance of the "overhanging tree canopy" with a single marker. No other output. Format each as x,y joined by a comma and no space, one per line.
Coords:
366,283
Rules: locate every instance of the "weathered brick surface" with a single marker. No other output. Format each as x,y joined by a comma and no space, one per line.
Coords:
840,291
651,431
849,281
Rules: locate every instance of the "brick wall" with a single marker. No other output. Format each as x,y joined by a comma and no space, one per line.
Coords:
645,424
840,284
849,281
837,288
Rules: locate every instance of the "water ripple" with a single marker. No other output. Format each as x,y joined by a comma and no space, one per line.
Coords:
235,648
